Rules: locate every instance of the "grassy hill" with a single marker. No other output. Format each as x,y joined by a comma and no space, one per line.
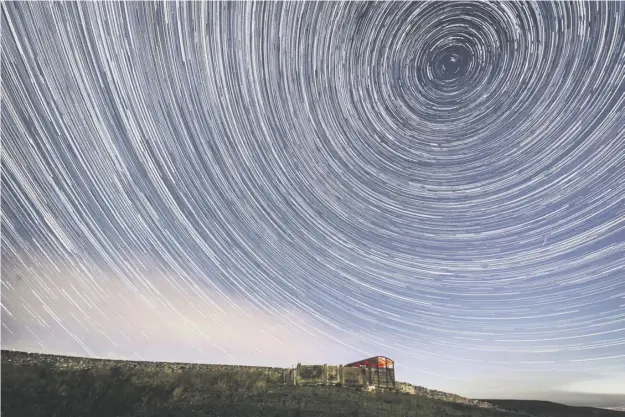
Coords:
35,385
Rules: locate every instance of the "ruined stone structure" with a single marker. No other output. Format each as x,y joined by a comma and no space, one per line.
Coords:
373,372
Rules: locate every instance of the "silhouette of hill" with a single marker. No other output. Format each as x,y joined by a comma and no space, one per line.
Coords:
551,409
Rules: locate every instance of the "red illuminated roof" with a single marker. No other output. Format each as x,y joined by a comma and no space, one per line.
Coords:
374,362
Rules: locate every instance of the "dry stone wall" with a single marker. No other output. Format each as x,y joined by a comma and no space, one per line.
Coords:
439,395
271,375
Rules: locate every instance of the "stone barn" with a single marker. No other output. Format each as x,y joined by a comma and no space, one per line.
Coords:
380,371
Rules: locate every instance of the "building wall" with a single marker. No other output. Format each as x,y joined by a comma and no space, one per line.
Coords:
334,374
355,377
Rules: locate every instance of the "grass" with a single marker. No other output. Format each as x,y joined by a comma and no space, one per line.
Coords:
120,390
41,385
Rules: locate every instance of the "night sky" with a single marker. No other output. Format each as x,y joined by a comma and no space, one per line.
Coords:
273,183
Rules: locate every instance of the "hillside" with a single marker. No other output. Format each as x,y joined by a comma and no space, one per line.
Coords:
36,385
550,409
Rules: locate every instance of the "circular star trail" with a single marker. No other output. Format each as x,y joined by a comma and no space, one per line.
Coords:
442,182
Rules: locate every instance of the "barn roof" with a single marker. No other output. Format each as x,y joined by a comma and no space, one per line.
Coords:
373,362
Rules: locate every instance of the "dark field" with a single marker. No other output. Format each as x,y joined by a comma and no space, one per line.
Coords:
546,408
56,386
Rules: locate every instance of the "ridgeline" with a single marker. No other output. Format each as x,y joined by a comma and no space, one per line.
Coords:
37,385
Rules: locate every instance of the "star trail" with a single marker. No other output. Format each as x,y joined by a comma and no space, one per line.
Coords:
441,182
